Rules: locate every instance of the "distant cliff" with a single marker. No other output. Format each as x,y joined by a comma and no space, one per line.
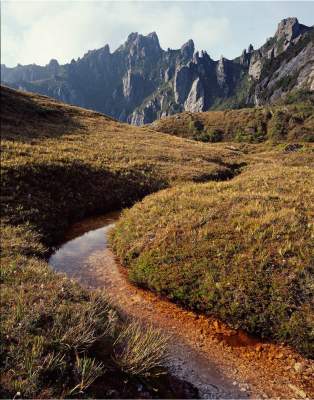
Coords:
140,82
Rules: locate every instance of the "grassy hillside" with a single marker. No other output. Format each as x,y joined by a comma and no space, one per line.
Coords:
59,164
287,122
241,250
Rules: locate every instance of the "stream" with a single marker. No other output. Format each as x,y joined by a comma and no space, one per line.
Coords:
85,257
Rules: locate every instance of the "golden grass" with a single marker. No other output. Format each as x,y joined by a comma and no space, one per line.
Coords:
140,349
242,250
254,125
78,135
58,164
61,163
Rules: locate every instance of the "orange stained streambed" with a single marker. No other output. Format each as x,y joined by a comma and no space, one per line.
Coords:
220,362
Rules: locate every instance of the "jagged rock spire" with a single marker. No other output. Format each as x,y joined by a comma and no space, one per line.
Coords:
187,49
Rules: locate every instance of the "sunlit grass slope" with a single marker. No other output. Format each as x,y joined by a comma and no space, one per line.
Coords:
59,164
241,250
291,122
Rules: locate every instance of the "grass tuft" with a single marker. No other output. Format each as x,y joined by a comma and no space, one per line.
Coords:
87,370
140,349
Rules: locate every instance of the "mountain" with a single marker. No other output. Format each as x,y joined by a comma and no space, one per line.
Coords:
140,82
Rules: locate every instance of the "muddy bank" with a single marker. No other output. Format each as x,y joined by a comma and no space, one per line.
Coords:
220,362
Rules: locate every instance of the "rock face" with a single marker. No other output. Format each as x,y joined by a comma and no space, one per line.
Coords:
195,99
141,82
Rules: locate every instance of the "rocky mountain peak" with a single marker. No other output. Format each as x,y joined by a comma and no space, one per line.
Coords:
187,50
140,82
221,70
132,37
246,57
106,49
289,29
196,57
141,41
53,63
141,46
154,37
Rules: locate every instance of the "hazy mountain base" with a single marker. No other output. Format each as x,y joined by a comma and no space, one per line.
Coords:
60,164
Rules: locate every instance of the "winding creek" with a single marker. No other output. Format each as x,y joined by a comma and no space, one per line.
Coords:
203,351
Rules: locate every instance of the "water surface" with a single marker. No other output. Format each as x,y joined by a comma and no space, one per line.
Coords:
80,243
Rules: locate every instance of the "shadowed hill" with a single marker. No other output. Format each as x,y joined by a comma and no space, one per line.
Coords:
101,139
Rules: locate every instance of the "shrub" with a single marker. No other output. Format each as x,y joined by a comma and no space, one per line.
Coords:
278,125
212,136
195,126
241,136
252,136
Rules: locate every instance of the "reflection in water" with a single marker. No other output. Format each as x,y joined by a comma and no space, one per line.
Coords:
83,240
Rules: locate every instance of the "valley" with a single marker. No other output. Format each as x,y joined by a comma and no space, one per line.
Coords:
194,214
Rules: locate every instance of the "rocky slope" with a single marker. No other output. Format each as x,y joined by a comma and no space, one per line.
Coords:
141,82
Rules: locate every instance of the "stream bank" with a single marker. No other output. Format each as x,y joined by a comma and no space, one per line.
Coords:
218,361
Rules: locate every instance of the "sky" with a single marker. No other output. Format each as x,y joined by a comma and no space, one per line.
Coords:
37,31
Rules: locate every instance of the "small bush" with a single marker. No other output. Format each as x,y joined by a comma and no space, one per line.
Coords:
251,135
196,126
211,135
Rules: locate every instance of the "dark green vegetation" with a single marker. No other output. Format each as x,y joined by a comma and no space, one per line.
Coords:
60,164
284,122
241,250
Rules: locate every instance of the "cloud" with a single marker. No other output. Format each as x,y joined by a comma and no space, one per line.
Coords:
39,31
36,31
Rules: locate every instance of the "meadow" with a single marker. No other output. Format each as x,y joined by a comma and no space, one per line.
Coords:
241,250
229,232
60,164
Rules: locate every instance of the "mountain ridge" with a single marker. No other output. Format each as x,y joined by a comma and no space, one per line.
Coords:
140,82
